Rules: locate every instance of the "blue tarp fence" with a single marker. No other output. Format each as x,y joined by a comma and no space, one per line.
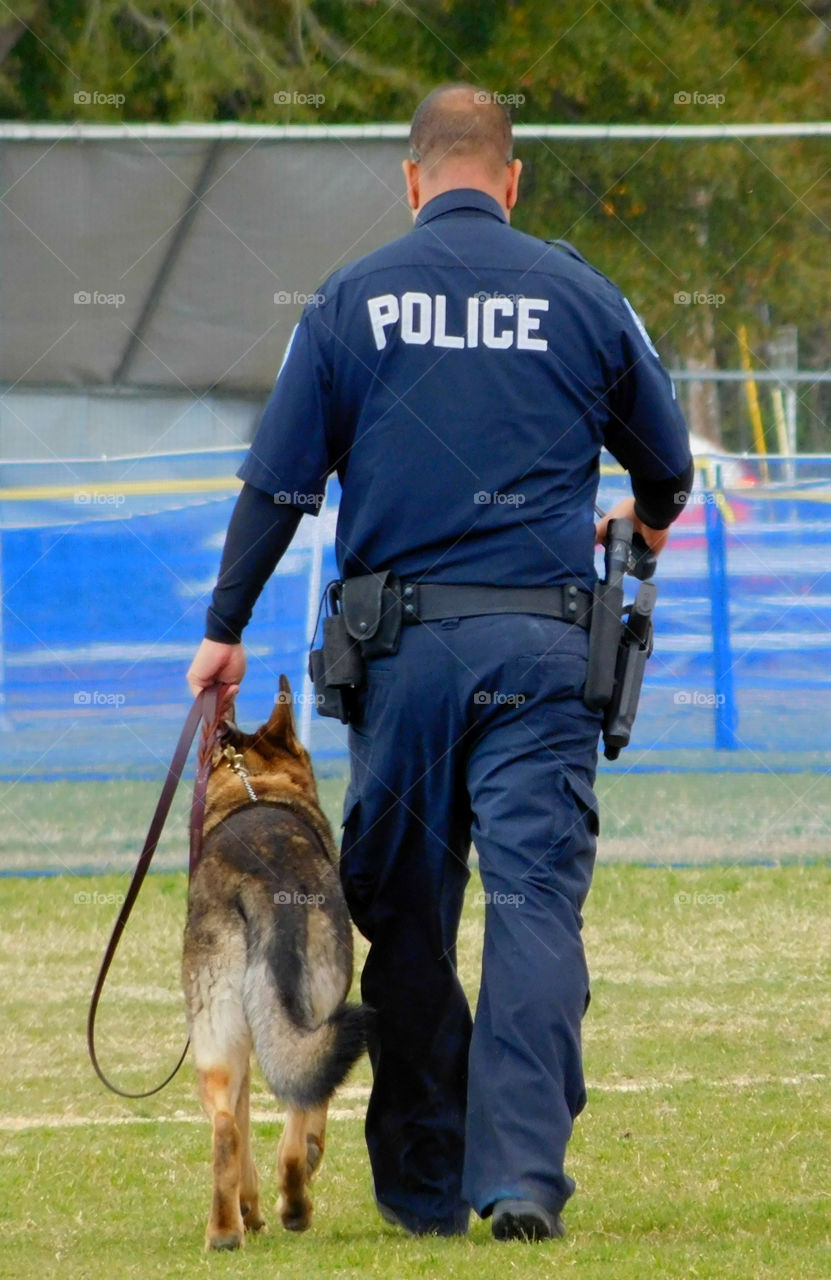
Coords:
107,567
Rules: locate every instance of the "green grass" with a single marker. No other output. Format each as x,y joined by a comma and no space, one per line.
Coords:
654,818
705,1150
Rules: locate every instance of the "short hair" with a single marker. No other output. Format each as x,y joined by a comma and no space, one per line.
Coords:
459,121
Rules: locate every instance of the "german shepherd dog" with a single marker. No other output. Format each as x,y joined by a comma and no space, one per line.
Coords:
267,962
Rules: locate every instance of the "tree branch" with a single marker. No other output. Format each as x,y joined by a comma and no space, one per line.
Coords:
338,49
294,38
16,29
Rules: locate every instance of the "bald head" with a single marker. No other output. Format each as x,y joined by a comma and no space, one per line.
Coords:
461,137
457,122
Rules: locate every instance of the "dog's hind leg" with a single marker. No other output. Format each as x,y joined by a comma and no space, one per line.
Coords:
219,1093
294,1205
315,1137
249,1195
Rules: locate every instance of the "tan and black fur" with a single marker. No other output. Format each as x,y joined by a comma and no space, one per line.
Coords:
267,964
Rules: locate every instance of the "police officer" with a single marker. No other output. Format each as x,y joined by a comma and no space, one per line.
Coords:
462,381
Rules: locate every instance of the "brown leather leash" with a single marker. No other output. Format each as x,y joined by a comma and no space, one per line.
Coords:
205,709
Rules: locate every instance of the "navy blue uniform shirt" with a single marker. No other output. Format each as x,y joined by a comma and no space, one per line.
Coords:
462,381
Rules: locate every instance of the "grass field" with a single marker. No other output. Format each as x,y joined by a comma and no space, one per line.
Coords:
647,818
705,1150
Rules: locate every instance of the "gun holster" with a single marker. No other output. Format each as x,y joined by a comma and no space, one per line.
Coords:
364,621
635,647
620,641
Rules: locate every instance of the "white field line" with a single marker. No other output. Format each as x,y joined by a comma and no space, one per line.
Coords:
17,1124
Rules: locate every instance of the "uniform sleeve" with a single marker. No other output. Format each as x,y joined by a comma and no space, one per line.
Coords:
289,457
646,431
659,502
257,538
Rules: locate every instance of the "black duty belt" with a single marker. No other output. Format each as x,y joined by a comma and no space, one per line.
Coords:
433,601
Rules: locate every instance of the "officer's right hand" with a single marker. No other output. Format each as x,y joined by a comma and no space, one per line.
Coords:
216,663
655,539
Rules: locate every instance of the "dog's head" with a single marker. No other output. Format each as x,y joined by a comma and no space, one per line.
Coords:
274,752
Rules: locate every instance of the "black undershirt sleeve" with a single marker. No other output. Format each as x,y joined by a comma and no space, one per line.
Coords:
258,535
659,502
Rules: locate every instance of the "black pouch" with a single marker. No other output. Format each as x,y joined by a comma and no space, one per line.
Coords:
328,701
371,611
342,663
365,622
336,668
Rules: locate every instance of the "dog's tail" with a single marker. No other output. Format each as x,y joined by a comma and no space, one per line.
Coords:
306,1039
303,1064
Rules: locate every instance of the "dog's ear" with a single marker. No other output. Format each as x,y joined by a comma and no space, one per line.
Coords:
230,735
230,732
281,730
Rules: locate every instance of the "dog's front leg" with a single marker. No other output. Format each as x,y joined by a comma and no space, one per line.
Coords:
294,1205
249,1195
225,1226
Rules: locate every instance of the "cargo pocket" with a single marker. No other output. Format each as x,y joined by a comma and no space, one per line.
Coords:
582,842
586,802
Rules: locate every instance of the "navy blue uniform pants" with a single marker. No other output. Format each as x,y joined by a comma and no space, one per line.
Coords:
475,728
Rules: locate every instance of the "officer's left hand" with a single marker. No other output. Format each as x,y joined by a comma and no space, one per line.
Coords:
655,539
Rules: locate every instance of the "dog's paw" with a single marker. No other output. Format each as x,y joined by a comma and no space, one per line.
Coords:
233,1239
251,1218
295,1214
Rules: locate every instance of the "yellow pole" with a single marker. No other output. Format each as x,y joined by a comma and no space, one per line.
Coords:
753,402
779,418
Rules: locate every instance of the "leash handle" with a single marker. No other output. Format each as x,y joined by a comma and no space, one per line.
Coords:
205,706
